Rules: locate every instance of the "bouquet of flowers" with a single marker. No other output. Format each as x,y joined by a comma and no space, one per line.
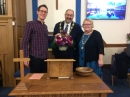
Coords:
62,41
128,36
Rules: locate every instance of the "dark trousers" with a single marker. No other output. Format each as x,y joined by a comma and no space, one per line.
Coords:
37,65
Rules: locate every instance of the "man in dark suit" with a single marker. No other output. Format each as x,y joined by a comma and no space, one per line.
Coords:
73,29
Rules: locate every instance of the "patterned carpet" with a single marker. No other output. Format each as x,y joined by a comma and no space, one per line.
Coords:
120,87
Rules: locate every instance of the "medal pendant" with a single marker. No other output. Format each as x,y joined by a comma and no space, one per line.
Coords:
82,47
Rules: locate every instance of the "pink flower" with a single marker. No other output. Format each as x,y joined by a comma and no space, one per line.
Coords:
59,42
58,37
64,32
64,39
70,38
69,42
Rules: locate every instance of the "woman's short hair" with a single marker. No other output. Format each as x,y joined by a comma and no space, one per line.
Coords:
91,22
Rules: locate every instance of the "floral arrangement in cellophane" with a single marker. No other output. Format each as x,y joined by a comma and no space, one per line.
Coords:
62,40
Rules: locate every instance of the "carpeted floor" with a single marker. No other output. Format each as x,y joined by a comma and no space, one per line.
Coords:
5,91
120,87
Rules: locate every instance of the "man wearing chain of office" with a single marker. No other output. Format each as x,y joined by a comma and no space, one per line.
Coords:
73,29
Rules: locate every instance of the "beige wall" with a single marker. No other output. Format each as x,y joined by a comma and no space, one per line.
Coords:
111,51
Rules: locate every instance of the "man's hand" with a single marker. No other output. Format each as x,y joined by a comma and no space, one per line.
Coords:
26,63
58,34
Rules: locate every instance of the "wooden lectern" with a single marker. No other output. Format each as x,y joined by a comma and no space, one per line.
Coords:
60,68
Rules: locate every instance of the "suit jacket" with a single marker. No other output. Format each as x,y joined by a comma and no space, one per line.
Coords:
70,52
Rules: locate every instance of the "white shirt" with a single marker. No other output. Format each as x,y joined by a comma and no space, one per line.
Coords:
68,26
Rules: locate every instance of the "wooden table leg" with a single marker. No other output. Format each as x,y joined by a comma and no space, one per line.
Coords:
103,95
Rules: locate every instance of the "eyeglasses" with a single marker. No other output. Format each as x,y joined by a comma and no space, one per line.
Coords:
86,24
42,11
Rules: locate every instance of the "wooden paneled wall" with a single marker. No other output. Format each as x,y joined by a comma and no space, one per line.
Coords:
9,36
6,46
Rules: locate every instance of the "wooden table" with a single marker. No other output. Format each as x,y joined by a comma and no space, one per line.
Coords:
90,86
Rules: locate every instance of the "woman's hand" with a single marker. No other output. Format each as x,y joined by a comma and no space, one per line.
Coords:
100,63
100,60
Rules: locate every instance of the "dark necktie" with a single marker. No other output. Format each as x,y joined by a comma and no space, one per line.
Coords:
66,28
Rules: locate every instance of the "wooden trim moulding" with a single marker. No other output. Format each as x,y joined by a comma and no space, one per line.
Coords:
5,17
105,44
114,45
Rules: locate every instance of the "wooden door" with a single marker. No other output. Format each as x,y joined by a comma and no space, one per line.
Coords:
19,14
19,17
